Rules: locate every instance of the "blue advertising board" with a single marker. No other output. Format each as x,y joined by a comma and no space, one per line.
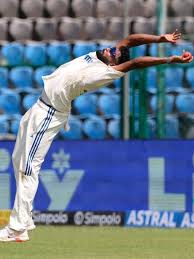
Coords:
109,176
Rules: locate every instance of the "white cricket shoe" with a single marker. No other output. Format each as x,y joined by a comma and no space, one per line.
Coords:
9,235
31,225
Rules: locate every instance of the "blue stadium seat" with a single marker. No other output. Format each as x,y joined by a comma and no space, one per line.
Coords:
15,123
109,104
3,77
177,49
174,79
139,51
95,127
21,77
59,53
114,128
171,127
29,100
4,125
75,131
190,77
86,104
82,48
118,83
42,71
151,80
13,53
169,103
151,127
153,50
106,90
10,102
35,54
185,103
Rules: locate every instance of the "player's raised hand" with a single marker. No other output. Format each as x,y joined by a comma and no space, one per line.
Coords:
172,38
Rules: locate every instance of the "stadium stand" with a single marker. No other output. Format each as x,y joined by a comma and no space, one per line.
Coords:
84,8
9,8
46,29
3,77
33,8
94,127
21,77
57,8
75,131
37,36
21,29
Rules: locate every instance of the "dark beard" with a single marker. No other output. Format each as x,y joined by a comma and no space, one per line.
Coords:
99,54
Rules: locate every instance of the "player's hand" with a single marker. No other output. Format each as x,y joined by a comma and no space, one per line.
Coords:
172,38
185,58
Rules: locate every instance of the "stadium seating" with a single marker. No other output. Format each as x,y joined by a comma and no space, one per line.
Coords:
185,103
70,28
15,125
190,77
4,125
172,127
29,100
109,104
82,48
3,29
151,80
57,8
9,8
84,8
75,131
35,54
109,8
181,8
21,29
3,77
33,8
21,77
145,25
46,29
188,25
42,71
95,29
115,29
59,53
95,127
114,128
169,103
174,79
86,104
10,102
13,54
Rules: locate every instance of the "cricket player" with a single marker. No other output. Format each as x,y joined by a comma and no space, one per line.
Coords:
41,123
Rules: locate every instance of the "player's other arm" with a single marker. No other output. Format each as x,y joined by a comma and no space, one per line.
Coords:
143,62
140,39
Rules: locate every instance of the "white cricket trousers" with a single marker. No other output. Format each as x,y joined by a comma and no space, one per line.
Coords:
38,127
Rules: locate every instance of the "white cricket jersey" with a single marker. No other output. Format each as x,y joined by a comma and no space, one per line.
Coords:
83,74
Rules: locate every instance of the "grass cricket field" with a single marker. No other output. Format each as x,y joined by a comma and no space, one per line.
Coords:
102,242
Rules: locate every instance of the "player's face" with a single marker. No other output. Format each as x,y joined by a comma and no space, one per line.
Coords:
112,54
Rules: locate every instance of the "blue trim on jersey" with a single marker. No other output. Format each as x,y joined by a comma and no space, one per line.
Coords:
38,139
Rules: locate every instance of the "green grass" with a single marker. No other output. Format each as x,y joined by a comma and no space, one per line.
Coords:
102,242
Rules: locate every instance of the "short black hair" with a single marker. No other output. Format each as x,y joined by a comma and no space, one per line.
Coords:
125,55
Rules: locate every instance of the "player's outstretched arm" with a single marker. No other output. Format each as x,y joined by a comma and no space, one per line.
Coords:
143,62
140,39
